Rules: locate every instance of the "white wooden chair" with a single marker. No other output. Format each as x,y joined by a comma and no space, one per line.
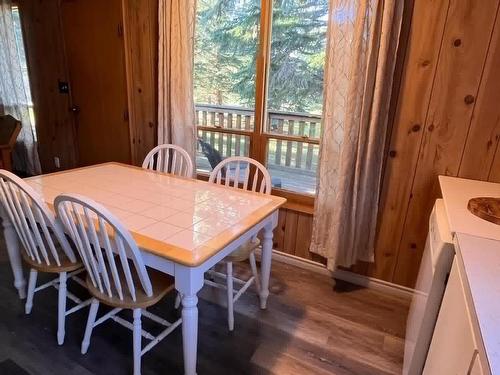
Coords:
45,247
169,159
241,173
117,275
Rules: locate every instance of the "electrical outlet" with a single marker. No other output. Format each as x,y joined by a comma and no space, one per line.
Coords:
57,162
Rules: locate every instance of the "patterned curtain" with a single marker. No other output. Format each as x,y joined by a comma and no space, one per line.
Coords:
176,114
362,44
15,99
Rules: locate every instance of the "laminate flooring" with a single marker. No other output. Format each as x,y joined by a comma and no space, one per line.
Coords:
311,326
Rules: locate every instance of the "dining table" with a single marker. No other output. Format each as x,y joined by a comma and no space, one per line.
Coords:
182,226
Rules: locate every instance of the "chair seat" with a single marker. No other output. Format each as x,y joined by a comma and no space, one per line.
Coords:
161,283
243,252
66,264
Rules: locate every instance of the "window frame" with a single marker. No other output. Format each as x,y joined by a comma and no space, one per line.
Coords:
259,137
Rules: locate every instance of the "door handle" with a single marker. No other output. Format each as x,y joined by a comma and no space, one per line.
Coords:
75,109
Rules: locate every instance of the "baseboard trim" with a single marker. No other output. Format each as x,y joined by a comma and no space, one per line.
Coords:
351,277
297,262
373,283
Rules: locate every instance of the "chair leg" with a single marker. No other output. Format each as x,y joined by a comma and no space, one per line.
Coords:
90,325
31,290
230,296
61,315
253,265
137,338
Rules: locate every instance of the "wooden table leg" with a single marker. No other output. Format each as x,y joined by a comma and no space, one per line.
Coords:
267,252
188,281
14,252
190,332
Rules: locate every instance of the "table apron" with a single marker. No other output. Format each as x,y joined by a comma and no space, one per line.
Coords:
176,269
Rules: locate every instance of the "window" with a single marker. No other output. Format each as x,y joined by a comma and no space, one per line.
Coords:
258,81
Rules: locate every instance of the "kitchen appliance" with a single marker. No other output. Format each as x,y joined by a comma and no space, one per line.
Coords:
451,215
434,270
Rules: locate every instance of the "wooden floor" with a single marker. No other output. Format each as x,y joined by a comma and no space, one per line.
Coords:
309,328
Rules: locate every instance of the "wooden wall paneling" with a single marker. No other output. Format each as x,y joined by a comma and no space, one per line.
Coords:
291,222
486,121
293,235
484,133
279,231
96,65
465,45
303,236
141,56
427,26
47,66
481,147
494,175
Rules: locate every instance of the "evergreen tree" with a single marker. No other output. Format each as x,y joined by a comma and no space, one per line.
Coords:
226,48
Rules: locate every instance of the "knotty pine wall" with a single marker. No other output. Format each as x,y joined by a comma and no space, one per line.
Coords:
47,65
141,56
293,235
446,115
446,122
47,62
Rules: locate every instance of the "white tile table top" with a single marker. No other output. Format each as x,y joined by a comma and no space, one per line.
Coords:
182,219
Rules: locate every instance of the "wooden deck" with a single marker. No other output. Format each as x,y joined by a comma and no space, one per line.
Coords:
293,148
309,328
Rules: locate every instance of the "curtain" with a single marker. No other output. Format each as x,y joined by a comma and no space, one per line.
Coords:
362,45
15,99
176,114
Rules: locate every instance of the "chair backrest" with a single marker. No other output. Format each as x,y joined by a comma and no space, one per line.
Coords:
36,226
105,246
236,172
169,159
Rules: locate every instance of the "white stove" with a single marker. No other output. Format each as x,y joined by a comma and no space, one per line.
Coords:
449,216
434,269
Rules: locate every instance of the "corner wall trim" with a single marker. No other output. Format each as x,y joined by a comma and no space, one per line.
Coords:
351,277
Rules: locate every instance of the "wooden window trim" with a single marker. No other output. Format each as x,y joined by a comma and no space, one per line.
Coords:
296,201
259,146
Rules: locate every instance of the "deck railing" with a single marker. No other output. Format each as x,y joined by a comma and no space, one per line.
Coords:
293,137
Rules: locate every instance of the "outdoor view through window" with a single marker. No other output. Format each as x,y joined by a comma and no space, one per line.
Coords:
24,66
226,77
